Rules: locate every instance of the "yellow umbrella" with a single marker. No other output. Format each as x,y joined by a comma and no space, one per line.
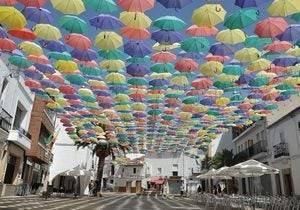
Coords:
227,78
295,51
12,18
31,48
223,101
112,65
95,83
138,90
160,75
180,80
108,40
135,19
259,65
138,106
124,107
66,66
121,98
247,54
185,115
52,105
71,7
85,92
294,69
201,108
266,74
62,101
209,15
164,47
292,80
233,36
115,78
284,8
214,92
52,91
47,32
230,108
156,96
211,68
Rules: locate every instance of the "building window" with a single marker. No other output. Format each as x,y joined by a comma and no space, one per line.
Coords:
134,170
159,171
19,117
112,169
299,126
282,137
4,85
45,136
258,137
175,170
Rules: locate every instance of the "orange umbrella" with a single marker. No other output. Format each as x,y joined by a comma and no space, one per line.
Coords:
24,33
7,2
136,5
271,27
7,45
135,33
279,46
186,65
32,3
42,59
163,57
57,78
195,30
78,41
219,58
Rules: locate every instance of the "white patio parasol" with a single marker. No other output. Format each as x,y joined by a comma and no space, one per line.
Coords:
207,175
77,171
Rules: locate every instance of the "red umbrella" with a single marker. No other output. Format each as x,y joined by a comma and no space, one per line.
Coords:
245,106
186,65
74,102
65,120
7,2
173,102
70,129
91,63
271,27
194,93
163,57
279,46
24,33
202,83
135,33
137,96
105,99
7,45
32,3
32,84
78,41
156,91
219,58
136,5
276,80
169,111
277,69
67,89
42,59
195,30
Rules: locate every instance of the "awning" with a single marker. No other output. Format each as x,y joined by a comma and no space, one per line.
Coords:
157,180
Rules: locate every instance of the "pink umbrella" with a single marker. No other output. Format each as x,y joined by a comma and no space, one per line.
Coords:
245,106
78,41
136,5
33,3
279,46
91,63
32,84
195,30
271,27
219,58
7,2
186,65
42,59
57,78
277,69
202,83
194,92
164,57
276,80
7,45
67,89
135,33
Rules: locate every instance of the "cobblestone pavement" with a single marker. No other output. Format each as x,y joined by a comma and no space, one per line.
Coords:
107,202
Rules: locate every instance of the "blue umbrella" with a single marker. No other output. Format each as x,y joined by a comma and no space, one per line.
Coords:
47,69
86,55
158,82
106,22
137,70
285,61
254,96
191,55
3,33
56,46
101,93
72,96
245,79
48,83
245,3
207,101
282,98
177,4
166,37
291,33
36,75
258,106
38,15
137,49
221,49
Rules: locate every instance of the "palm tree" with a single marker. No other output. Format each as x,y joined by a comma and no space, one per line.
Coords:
102,148
224,158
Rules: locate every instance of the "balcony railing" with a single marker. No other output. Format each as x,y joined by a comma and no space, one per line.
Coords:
255,149
5,120
23,132
281,149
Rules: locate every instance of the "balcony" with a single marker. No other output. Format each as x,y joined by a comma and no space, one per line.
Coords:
5,120
255,149
281,150
20,137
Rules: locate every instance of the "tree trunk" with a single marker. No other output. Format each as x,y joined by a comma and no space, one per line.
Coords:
101,161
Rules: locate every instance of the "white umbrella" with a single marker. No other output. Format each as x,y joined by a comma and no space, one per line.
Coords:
223,173
77,171
208,174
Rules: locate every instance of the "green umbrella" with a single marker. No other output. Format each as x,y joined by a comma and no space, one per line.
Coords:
60,56
233,70
296,17
88,98
105,6
271,55
155,101
190,100
19,61
162,68
111,54
271,106
168,117
73,24
137,81
241,18
90,71
172,95
289,92
223,85
212,112
257,42
195,44
259,81
75,79
284,87
237,98
169,23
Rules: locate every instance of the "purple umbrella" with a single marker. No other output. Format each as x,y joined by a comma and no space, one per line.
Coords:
3,33
105,105
36,75
48,83
106,22
71,96
101,93
78,106
258,106
291,33
17,52
38,15
254,96
118,88
158,82
140,114
191,55
47,69
245,79
70,109
282,98
177,4
86,55
137,70
285,61
56,46
137,49
246,3
166,37
207,101
221,49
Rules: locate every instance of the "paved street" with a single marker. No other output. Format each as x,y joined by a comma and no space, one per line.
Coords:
108,202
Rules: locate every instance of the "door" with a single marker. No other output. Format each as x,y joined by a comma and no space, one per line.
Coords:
128,186
288,184
10,170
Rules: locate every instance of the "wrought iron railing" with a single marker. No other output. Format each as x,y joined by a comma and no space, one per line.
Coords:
281,149
259,147
5,120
